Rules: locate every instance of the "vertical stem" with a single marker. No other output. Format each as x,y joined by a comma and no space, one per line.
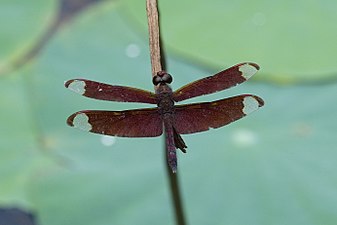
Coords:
154,38
175,194
156,63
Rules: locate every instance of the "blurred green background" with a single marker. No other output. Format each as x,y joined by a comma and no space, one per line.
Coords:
277,166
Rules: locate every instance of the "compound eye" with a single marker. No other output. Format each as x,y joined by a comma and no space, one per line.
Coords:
156,80
167,78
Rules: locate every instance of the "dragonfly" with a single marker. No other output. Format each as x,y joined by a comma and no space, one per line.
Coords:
168,118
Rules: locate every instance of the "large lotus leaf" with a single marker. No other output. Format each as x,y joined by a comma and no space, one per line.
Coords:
22,23
274,167
293,41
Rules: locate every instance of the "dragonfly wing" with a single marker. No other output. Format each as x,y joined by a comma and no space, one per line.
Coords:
218,82
93,89
193,118
128,123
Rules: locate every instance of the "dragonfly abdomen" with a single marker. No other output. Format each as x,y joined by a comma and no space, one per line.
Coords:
170,145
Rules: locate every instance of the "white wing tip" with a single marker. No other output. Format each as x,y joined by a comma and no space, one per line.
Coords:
248,69
81,121
251,104
77,86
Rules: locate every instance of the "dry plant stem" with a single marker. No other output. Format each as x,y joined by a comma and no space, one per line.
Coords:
153,22
155,54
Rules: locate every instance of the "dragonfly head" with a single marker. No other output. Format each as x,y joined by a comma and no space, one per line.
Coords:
162,77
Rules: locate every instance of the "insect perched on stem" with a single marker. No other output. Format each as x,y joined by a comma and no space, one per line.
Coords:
173,120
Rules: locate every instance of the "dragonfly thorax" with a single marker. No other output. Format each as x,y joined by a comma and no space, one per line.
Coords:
164,99
166,105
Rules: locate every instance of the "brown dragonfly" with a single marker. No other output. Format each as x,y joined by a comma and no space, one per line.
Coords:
173,120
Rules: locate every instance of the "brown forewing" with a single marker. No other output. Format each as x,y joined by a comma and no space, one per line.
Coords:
218,82
116,93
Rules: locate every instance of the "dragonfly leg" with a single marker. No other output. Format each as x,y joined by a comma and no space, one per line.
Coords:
178,141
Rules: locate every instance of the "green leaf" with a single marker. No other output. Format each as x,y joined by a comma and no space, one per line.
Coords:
277,166
22,24
291,41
